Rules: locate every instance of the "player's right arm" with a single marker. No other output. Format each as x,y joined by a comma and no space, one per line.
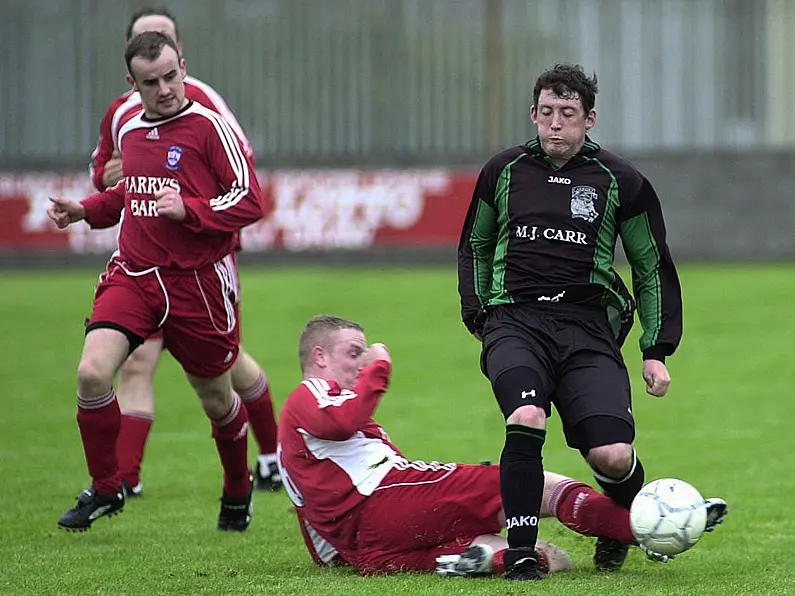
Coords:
103,209
476,250
336,416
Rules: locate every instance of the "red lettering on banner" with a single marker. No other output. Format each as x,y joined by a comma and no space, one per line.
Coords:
313,210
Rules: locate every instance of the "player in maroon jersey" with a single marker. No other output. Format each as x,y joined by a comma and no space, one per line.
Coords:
135,387
188,188
360,502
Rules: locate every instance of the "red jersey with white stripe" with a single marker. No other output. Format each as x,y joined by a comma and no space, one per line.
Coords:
120,107
196,153
332,454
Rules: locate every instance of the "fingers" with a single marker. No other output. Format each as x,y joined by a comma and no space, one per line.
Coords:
657,385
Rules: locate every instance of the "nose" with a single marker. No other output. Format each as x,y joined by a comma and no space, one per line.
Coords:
557,121
163,88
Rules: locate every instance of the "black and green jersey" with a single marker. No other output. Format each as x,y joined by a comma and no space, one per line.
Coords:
536,233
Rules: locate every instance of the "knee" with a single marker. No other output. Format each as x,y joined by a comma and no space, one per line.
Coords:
93,377
216,402
531,416
613,461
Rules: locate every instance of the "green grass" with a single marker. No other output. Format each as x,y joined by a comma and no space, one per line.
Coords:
726,426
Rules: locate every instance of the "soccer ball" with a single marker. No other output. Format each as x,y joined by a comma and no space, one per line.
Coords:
668,516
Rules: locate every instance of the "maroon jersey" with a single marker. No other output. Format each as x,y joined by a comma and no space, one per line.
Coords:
123,105
196,153
332,454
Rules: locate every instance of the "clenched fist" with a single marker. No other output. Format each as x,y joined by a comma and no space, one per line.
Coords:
170,204
65,211
657,377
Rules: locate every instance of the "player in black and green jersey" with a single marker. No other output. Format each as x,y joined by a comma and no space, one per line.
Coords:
538,287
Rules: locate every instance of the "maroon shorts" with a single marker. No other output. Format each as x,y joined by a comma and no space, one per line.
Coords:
196,311
418,514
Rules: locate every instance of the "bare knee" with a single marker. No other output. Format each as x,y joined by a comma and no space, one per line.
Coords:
613,461
245,372
94,377
215,395
531,416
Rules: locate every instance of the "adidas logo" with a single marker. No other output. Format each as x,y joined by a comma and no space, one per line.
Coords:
153,135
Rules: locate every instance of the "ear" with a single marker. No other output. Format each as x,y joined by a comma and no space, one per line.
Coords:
182,67
533,114
319,357
132,82
590,120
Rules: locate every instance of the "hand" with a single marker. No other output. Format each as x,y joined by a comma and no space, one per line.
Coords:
170,204
65,211
113,172
376,352
657,377
653,556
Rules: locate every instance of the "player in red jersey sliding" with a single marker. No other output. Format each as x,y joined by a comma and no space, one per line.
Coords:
188,189
361,502
135,386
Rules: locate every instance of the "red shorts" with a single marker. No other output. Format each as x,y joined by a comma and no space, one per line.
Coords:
196,311
419,514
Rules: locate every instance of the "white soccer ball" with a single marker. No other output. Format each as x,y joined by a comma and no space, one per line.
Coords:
668,516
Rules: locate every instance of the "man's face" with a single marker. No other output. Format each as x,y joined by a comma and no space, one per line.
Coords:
342,359
160,83
562,124
158,23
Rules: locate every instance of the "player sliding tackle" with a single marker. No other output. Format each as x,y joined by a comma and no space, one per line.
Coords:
361,502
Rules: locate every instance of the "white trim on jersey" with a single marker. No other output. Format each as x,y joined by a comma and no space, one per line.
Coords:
323,548
236,157
220,106
320,389
366,461
131,102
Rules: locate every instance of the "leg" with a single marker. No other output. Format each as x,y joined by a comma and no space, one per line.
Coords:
518,361
203,335
228,416
584,510
251,384
98,417
137,401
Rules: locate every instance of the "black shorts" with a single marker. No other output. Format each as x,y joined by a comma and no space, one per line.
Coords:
574,357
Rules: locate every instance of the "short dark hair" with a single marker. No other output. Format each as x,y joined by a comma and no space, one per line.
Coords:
566,80
147,45
317,332
159,11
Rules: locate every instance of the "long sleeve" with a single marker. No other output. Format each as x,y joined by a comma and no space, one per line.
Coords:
103,151
476,251
655,281
242,203
103,210
337,415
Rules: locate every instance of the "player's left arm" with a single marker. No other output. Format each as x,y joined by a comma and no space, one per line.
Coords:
242,203
655,281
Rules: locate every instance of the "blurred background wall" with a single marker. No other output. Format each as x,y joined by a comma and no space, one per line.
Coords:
698,92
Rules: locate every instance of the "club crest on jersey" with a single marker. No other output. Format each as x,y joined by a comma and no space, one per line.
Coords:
582,203
174,155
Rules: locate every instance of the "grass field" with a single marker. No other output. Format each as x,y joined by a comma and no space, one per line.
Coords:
726,426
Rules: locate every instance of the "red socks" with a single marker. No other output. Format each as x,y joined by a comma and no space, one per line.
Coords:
259,408
590,513
135,427
231,440
99,420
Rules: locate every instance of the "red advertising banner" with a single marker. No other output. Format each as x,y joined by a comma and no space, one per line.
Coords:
313,210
